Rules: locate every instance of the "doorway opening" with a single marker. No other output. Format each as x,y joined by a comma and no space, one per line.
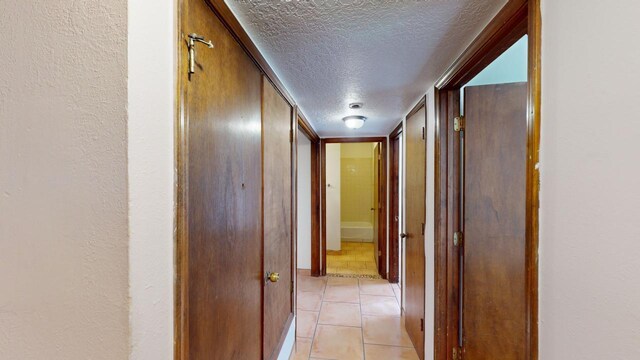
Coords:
354,197
353,172
486,189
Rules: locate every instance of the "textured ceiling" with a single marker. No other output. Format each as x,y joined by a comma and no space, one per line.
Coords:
381,53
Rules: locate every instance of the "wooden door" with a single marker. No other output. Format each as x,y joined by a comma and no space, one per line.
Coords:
375,205
415,194
278,298
224,240
494,192
394,208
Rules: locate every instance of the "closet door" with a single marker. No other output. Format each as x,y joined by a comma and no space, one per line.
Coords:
415,196
223,301
278,287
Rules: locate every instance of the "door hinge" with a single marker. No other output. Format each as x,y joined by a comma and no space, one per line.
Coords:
379,253
423,133
457,353
422,228
421,324
458,238
290,135
458,123
292,286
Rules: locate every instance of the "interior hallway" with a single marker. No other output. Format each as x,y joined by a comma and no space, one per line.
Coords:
350,319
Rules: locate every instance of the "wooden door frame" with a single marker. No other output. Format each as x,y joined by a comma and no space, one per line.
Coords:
305,129
421,104
181,154
517,18
394,241
382,232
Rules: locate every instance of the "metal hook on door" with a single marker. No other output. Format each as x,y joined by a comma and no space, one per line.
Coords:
191,44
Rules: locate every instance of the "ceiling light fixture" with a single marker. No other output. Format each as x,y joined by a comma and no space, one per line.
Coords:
354,121
355,105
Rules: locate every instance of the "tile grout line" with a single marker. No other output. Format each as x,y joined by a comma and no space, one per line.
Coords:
360,305
313,337
364,356
385,345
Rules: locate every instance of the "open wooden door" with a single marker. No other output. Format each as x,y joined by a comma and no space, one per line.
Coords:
375,205
221,266
278,287
414,226
494,193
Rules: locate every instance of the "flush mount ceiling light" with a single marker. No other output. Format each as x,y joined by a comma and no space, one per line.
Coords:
355,106
354,121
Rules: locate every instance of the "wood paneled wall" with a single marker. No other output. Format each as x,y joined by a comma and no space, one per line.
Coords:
235,194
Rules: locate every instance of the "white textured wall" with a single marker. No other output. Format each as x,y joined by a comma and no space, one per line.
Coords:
63,180
333,196
304,202
151,163
589,228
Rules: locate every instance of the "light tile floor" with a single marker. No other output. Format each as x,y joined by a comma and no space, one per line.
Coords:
350,319
354,258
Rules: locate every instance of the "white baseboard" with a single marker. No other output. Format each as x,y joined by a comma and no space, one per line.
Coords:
289,342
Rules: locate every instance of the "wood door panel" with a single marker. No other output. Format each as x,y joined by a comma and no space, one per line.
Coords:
224,240
276,128
394,208
415,217
495,145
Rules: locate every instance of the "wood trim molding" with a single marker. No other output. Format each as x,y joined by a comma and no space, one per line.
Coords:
354,139
515,19
181,153
422,102
504,29
533,174
384,186
306,127
321,257
293,126
440,224
383,226
396,131
446,222
394,241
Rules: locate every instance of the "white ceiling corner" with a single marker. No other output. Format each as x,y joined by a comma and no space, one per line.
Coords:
384,54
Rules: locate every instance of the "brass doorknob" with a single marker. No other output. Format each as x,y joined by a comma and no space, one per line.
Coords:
273,277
